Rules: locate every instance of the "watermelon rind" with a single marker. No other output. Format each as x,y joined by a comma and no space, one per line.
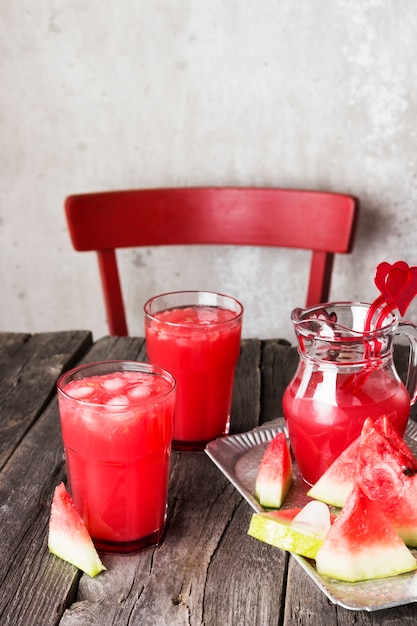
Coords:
373,563
68,537
274,475
314,517
362,544
274,527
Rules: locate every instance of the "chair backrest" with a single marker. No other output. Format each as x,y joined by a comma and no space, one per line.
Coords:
322,222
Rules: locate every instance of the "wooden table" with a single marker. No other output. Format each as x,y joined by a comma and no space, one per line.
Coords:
207,571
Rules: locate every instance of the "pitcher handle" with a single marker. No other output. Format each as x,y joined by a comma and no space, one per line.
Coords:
409,330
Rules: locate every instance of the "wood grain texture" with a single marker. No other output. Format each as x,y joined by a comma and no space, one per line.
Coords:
28,375
35,588
207,571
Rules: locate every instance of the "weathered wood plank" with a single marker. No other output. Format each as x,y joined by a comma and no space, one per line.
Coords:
207,570
32,581
279,362
10,343
206,543
253,575
36,586
247,388
179,584
195,529
106,348
29,379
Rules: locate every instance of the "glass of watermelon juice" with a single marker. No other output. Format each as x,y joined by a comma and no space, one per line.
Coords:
195,335
345,374
117,421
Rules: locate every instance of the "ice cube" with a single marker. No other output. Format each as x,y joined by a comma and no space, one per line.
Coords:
81,392
164,336
117,401
89,417
113,383
141,390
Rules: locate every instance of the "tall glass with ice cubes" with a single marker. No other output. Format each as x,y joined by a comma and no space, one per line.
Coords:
117,424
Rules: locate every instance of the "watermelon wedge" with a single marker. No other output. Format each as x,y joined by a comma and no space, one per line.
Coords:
274,475
68,536
388,477
334,486
362,545
299,530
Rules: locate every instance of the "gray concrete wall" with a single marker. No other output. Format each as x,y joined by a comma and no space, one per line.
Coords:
96,95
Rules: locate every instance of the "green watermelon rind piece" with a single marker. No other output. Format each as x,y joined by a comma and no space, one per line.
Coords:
362,544
274,528
68,537
274,475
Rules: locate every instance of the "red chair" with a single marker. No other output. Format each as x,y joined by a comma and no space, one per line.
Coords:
104,221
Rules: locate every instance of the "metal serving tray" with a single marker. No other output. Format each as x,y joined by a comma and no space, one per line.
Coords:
238,457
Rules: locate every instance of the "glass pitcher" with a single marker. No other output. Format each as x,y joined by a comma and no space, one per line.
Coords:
345,374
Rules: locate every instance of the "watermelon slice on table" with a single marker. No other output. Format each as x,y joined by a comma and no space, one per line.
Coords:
274,475
388,476
298,530
68,536
362,545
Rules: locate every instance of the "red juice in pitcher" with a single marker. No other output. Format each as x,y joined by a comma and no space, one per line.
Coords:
200,346
320,429
346,373
117,433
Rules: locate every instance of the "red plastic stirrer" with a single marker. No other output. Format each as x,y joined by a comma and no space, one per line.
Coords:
398,286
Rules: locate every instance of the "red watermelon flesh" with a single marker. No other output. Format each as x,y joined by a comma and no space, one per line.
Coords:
334,486
68,536
362,545
388,476
386,428
274,473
